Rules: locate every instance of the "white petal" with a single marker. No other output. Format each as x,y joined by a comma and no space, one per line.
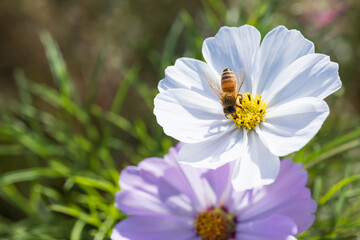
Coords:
256,167
215,152
313,75
234,48
279,48
290,126
188,73
190,117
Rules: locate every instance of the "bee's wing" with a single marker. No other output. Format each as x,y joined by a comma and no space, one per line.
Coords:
215,85
240,79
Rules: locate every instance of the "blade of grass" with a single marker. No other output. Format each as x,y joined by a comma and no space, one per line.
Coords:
330,153
171,42
355,134
15,149
260,11
193,37
52,194
26,99
100,184
210,16
129,79
77,230
94,81
58,67
104,228
53,98
27,175
76,212
337,187
10,193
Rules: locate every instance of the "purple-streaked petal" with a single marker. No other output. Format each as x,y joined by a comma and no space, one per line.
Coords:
190,74
313,75
189,181
215,152
148,190
234,48
141,203
153,228
287,196
290,126
279,48
143,174
202,190
275,227
256,166
220,182
190,117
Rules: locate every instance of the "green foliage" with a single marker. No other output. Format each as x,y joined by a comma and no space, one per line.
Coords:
70,151
69,175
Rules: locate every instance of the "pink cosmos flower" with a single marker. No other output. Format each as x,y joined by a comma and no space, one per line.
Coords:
168,200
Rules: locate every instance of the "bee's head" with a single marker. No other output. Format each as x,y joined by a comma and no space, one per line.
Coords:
229,110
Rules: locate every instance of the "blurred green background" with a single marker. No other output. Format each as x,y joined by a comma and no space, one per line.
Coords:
77,82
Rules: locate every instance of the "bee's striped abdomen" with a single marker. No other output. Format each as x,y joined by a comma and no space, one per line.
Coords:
228,80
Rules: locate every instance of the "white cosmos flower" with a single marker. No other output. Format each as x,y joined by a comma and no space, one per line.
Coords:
292,79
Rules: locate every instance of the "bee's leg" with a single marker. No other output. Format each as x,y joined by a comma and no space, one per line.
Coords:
239,101
239,98
226,116
240,107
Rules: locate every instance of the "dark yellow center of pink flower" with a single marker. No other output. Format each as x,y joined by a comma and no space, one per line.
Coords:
250,112
214,224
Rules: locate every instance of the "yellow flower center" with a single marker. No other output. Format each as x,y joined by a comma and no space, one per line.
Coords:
214,225
250,112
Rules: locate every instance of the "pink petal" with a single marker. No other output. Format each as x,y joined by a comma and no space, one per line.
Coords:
152,228
275,227
287,196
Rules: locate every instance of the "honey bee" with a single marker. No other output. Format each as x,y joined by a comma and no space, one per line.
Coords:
228,92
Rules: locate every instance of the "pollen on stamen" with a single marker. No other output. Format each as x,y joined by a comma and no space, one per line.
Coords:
214,224
250,112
